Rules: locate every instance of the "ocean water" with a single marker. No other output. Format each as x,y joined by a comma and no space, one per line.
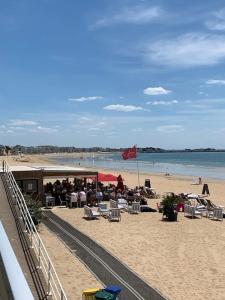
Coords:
196,164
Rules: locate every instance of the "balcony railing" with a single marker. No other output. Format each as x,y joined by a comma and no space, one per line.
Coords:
54,287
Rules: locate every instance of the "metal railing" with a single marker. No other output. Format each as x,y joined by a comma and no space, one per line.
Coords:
54,287
15,277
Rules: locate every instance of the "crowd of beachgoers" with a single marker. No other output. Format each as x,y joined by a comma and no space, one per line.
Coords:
85,192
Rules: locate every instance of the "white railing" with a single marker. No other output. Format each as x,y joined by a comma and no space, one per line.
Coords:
17,282
54,287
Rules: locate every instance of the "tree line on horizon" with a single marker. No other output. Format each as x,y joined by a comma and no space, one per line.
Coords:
45,149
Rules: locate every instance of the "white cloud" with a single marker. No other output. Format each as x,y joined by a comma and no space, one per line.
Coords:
188,50
17,128
166,103
170,128
84,120
137,130
216,81
44,129
156,91
124,108
131,15
83,99
93,129
216,25
217,21
101,123
22,123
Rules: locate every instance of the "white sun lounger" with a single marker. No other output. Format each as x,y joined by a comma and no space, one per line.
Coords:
114,214
90,214
134,208
216,214
191,211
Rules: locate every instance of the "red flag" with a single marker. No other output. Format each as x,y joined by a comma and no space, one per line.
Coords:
130,153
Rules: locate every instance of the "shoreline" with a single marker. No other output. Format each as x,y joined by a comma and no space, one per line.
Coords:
111,170
51,159
162,183
216,173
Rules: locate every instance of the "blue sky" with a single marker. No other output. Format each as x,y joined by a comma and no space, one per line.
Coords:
112,73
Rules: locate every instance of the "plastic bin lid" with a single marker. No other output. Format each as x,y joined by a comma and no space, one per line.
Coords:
103,295
92,291
114,289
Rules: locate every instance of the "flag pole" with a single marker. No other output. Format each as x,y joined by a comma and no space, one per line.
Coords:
138,169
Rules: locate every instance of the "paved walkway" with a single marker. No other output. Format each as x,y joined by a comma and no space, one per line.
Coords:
105,266
19,244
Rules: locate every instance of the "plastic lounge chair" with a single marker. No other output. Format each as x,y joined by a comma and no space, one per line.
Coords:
102,208
114,214
62,202
90,214
216,214
210,204
191,211
203,201
134,208
112,203
122,203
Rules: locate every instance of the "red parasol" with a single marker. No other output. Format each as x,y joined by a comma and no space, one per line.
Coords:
106,177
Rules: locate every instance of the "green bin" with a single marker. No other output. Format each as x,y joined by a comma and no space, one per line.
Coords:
103,295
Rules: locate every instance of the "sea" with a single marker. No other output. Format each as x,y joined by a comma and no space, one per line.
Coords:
196,164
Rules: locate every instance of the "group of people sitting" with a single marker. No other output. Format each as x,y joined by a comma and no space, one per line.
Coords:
65,190
79,193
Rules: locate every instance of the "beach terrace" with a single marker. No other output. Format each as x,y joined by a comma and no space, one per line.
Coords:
170,257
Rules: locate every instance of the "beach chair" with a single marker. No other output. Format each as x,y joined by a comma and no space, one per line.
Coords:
62,202
134,208
191,211
122,203
102,208
216,213
112,203
90,214
202,201
49,201
210,205
114,214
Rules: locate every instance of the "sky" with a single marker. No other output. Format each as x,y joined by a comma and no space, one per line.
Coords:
112,73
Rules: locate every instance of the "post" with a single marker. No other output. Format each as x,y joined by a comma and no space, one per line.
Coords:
137,168
25,222
96,187
138,174
49,277
39,253
31,237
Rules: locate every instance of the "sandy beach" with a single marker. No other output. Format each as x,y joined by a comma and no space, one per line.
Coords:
184,259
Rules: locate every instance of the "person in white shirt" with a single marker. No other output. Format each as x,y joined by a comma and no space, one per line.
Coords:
73,199
83,198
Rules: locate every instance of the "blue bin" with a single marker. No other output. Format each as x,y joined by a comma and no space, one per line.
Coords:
114,290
